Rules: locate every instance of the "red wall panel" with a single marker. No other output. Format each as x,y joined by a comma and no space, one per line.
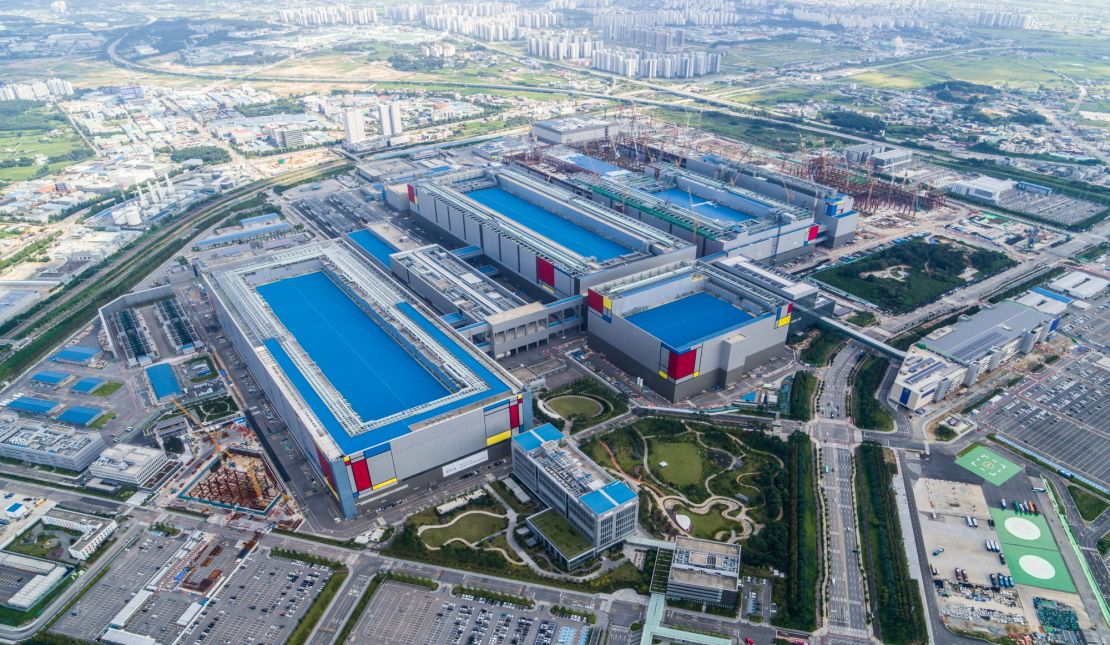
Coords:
325,467
681,365
595,300
812,234
361,471
545,272
514,415
412,193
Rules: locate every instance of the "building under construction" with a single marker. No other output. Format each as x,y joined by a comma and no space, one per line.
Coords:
871,193
236,479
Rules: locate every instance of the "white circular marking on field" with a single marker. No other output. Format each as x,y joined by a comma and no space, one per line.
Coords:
1023,529
1037,567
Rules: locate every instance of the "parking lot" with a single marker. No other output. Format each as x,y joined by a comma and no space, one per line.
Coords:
339,212
402,614
1091,326
130,572
1063,414
260,604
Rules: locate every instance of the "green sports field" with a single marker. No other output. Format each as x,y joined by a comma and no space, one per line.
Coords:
988,465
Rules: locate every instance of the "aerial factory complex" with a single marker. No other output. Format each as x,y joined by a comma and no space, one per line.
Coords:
574,322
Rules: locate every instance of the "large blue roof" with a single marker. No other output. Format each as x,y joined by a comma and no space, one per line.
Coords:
368,367
704,207
50,377
163,380
33,405
606,499
534,438
373,244
557,229
87,384
353,352
80,415
684,322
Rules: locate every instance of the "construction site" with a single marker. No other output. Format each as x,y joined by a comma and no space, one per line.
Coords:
235,479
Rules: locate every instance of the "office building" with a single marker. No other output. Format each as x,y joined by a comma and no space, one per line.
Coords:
960,354
128,464
94,531
389,119
703,571
587,510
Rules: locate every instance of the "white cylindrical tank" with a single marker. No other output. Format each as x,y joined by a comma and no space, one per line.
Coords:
134,217
119,217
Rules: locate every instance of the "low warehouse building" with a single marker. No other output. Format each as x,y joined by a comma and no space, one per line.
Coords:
704,571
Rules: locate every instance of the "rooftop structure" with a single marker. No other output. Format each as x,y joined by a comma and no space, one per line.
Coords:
588,510
50,445
687,326
128,463
1080,284
370,385
574,130
957,355
492,317
549,237
94,530
704,571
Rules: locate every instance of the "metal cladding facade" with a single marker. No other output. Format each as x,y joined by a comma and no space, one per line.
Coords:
463,421
551,239
686,327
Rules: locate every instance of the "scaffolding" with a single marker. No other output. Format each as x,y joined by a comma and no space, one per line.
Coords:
870,193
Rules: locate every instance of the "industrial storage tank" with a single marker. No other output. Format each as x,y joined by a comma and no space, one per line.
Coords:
119,216
134,217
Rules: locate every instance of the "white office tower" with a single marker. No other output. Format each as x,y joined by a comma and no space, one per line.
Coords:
389,117
354,127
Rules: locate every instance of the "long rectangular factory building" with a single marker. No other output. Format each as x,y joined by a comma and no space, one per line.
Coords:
548,237
495,319
374,389
831,211
688,326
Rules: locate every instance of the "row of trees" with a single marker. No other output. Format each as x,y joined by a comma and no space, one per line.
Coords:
867,410
790,545
895,595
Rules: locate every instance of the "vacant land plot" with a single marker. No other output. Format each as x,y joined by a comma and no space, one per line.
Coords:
36,139
905,276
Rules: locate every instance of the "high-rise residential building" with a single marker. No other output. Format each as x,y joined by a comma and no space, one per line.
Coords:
389,118
354,126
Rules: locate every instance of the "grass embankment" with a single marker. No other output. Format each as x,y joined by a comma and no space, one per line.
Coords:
801,396
895,596
868,412
823,344
1090,505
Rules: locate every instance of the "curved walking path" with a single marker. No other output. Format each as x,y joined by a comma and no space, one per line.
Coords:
666,501
428,527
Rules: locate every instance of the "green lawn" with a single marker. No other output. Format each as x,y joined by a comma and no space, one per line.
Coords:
1090,505
471,527
862,319
107,389
707,525
561,533
570,405
685,466
102,420
30,129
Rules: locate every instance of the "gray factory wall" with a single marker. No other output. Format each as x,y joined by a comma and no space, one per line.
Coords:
417,283
505,252
839,230
636,266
